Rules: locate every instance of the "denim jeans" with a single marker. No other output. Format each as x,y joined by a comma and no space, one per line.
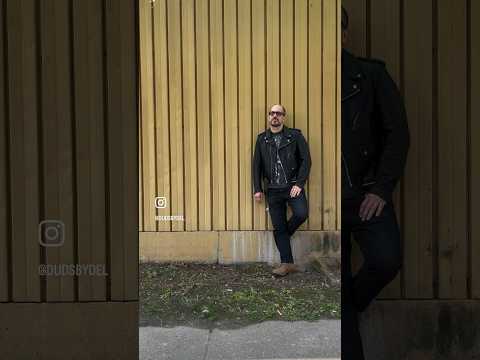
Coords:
277,207
379,242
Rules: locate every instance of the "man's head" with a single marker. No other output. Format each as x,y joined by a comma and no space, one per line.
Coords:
276,116
344,26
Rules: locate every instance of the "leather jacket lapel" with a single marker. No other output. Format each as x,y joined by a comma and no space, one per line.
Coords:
351,76
287,137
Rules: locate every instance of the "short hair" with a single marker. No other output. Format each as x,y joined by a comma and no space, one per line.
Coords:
344,19
283,107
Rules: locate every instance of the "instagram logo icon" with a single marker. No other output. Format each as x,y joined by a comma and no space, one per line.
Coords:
161,202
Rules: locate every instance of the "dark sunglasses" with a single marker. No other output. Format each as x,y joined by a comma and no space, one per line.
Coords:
278,113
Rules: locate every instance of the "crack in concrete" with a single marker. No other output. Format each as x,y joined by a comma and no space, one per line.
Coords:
207,344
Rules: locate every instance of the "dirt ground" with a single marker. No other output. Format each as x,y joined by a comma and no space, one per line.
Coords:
206,295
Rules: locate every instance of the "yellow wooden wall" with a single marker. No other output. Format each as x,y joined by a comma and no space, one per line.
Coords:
432,50
210,69
68,147
69,152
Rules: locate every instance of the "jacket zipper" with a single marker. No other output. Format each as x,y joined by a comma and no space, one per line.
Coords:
355,120
347,172
351,94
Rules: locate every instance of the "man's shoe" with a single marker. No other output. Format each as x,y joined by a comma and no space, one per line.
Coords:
293,268
285,268
282,270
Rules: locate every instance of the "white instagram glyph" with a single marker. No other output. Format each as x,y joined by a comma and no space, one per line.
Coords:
160,202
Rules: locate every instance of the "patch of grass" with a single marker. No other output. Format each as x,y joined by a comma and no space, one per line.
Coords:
247,293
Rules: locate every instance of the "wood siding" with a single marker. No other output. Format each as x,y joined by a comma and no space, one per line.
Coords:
210,69
68,147
432,51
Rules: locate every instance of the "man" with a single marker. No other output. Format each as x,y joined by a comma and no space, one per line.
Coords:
375,142
283,158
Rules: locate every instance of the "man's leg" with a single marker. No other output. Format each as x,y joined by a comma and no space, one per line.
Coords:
379,241
351,340
277,207
299,208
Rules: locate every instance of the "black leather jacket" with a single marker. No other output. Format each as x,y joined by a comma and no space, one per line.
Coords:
375,136
294,155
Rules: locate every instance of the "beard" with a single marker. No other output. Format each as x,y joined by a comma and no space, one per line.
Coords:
275,123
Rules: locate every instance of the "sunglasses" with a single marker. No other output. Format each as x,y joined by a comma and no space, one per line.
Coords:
278,113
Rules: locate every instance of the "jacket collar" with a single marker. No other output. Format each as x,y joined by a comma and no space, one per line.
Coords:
351,75
287,137
351,67
287,132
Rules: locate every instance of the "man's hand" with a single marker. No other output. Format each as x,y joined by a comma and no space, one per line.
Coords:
372,204
258,196
295,190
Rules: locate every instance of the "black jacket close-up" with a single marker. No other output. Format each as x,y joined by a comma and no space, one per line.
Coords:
294,155
375,136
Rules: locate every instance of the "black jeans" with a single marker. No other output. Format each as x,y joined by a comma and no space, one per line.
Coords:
379,242
277,207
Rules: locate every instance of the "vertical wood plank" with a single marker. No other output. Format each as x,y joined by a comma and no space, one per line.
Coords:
90,137
259,94
286,54
300,53
452,201
140,162
273,62
23,143
130,63
245,113
273,49
217,110
122,110
474,146
189,113
231,114
339,116
140,159
148,116
418,179
385,45
329,86
315,111
4,171
115,180
162,132
203,115
57,141
176,201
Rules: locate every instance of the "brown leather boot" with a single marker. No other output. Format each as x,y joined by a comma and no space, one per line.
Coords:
284,269
293,268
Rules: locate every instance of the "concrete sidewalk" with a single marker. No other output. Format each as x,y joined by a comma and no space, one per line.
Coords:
299,340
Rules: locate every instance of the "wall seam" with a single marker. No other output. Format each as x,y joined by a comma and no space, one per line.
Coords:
469,151
435,244
9,224
154,94
41,207
74,149
107,153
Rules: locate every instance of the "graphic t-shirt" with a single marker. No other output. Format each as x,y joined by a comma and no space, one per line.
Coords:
279,179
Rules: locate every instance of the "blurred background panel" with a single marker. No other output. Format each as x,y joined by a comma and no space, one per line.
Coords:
431,50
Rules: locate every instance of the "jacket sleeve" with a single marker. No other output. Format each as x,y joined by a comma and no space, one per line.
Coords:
306,161
257,168
391,114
